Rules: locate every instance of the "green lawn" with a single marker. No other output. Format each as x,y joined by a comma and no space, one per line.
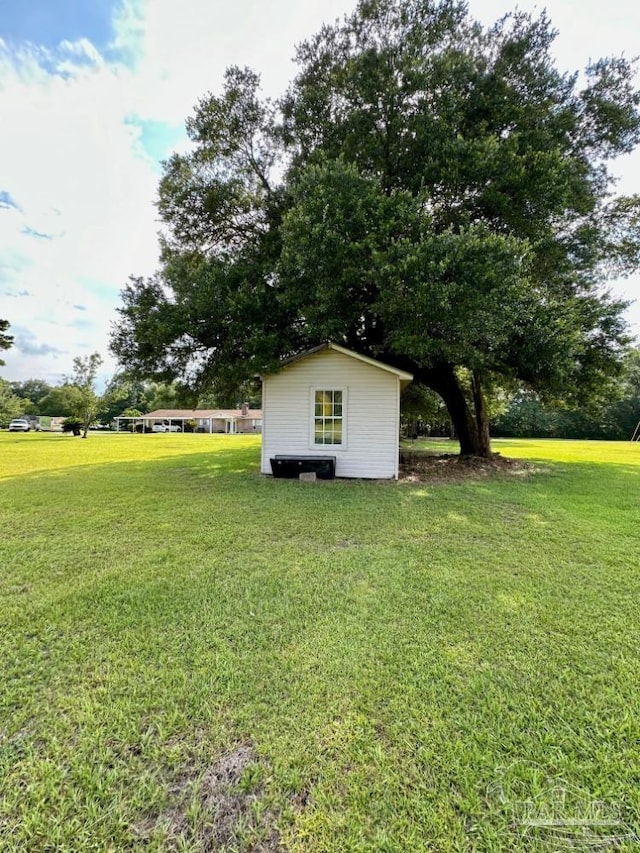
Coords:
194,657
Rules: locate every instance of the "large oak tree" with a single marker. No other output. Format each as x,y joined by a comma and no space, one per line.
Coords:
428,192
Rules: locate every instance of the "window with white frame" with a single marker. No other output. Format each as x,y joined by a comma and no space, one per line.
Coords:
328,418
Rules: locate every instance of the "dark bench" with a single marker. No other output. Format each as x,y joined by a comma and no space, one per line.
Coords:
324,467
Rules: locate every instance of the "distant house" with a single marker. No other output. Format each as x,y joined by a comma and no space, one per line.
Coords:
332,402
228,421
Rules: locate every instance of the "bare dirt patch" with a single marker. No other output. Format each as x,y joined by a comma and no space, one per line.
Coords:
423,466
219,809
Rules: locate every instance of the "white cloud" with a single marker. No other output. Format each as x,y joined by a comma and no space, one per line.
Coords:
182,49
83,183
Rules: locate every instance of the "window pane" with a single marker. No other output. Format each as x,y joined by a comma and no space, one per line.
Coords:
328,417
333,431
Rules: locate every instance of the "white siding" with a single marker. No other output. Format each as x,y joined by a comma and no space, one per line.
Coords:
372,414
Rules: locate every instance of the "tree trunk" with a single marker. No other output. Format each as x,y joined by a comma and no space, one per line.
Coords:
471,425
443,381
482,416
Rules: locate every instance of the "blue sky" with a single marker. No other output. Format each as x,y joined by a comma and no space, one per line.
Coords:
94,94
48,22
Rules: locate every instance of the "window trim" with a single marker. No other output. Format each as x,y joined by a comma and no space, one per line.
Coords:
327,448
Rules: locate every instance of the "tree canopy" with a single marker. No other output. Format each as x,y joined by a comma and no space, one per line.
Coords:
428,192
6,341
10,404
86,401
33,390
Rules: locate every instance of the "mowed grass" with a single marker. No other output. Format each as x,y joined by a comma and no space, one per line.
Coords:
404,664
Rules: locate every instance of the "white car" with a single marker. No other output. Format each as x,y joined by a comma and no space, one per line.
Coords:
19,425
165,426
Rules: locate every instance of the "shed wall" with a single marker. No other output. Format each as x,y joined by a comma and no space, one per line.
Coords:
371,413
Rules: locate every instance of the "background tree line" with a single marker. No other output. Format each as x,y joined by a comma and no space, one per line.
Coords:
519,412
615,415
76,398
122,396
515,413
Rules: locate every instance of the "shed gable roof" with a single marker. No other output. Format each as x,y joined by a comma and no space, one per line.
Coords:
404,377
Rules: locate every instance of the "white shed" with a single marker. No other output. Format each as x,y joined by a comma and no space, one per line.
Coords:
331,401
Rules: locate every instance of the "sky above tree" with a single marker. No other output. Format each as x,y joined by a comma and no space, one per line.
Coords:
94,95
